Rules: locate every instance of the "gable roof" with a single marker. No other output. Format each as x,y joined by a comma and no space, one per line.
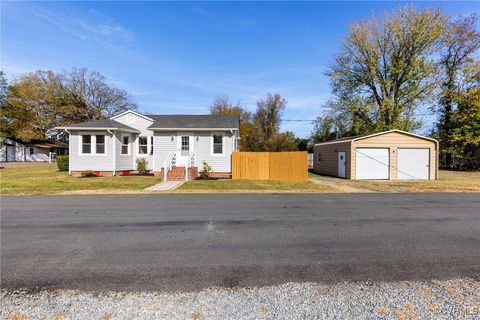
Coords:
169,122
131,111
370,135
103,124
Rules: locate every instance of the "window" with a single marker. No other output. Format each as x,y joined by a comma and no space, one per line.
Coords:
151,145
142,145
217,144
100,144
125,146
31,151
86,144
185,145
319,157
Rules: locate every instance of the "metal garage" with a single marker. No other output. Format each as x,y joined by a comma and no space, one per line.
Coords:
388,155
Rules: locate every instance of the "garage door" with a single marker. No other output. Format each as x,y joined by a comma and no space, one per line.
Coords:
372,163
413,164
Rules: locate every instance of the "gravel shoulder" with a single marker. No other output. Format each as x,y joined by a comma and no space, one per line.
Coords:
447,299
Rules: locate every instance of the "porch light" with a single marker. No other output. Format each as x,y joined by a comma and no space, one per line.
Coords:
171,139
198,138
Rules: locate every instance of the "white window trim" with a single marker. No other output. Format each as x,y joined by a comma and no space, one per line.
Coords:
223,144
129,145
104,144
149,146
93,144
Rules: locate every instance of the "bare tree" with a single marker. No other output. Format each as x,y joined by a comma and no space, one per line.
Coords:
93,97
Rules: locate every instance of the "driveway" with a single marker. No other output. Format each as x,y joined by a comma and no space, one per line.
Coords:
187,242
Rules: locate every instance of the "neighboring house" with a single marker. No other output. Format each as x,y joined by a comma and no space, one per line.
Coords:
175,146
13,150
388,155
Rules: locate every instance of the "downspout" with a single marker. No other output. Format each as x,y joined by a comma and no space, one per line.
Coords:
69,150
114,152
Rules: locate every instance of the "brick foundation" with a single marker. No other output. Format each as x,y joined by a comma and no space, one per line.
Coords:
104,173
224,175
178,174
97,173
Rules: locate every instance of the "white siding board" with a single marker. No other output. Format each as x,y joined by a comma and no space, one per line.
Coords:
96,162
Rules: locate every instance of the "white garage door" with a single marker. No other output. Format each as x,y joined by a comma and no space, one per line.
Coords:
413,164
372,163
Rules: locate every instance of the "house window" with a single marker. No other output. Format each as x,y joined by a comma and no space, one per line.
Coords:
319,157
31,151
142,145
217,144
151,145
86,144
100,144
125,147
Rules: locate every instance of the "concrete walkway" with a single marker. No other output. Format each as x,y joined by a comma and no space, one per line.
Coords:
164,186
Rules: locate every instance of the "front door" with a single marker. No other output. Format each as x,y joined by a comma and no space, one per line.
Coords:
342,162
184,144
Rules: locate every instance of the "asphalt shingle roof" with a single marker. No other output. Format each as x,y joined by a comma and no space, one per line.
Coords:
194,121
102,123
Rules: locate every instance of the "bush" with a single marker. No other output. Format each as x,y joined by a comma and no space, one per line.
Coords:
87,174
205,174
62,163
142,165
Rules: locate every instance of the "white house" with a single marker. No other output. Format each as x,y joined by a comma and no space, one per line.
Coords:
175,146
13,150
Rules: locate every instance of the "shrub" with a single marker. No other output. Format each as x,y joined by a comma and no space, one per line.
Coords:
205,174
142,165
87,174
62,163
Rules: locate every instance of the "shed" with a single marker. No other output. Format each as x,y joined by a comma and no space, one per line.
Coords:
388,155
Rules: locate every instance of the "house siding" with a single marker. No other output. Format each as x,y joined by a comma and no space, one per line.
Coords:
142,125
123,162
80,162
203,152
163,144
329,158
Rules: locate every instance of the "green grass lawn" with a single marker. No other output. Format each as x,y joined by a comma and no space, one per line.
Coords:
227,185
48,180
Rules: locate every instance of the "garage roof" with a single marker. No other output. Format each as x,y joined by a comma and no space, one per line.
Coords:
365,136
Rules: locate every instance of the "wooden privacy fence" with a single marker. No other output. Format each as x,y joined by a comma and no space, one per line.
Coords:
280,166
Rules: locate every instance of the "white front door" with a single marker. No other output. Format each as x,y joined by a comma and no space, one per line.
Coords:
184,147
372,163
413,164
342,162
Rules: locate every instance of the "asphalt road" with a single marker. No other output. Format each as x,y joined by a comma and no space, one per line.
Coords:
187,242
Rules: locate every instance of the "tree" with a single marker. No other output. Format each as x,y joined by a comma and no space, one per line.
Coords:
222,106
267,119
282,141
461,41
93,97
466,133
385,67
33,105
39,101
4,121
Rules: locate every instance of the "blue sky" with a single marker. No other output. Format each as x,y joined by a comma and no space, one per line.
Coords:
177,57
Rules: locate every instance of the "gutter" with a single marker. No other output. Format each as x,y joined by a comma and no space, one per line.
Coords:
114,151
